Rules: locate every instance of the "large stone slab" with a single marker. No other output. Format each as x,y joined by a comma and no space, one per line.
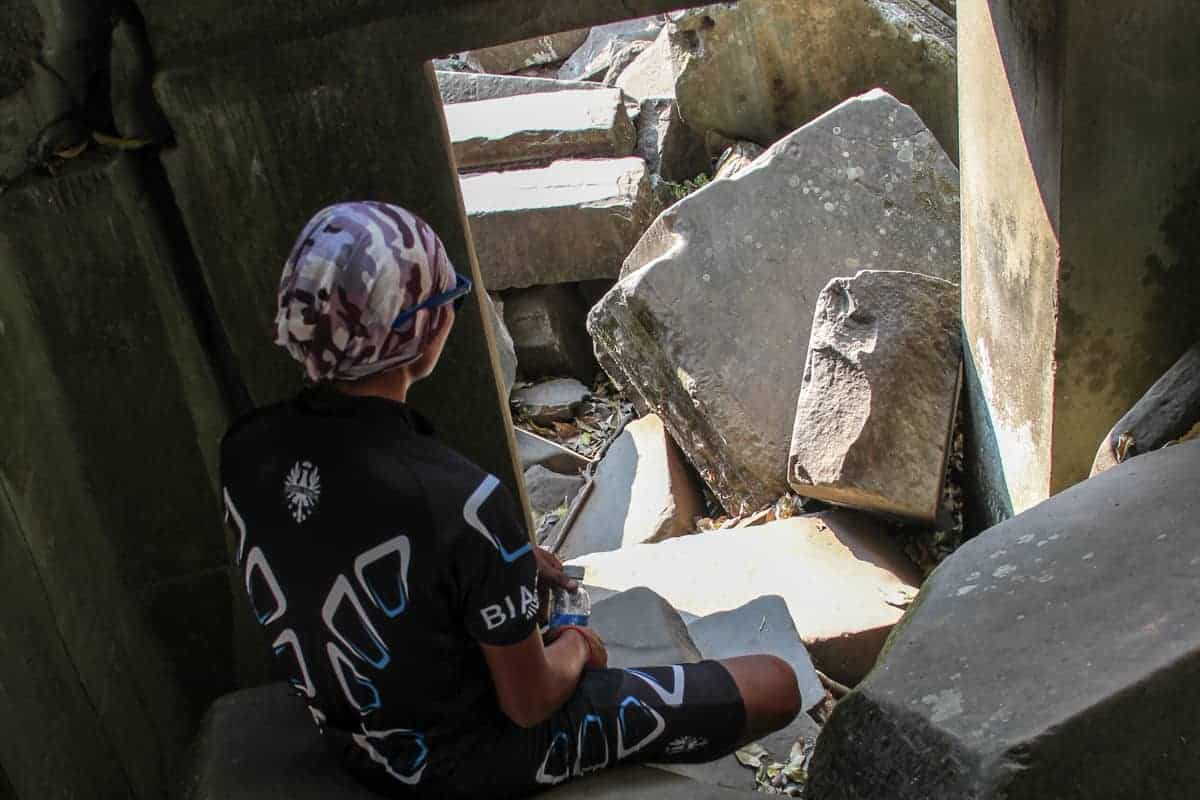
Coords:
842,576
640,629
1068,635
533,449
596,55
548,325
758,69
572,221
502,59
539,128
876,409
1169,410
708,325
551,401
652,73
549,490
644,492
467,87
110,426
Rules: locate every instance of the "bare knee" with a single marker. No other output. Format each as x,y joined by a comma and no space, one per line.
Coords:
770,692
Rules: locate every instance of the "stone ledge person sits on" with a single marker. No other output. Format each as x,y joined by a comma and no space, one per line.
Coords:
396,580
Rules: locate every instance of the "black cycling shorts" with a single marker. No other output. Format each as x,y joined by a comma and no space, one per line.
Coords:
685,714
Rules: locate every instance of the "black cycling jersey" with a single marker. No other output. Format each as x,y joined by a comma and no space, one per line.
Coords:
376,557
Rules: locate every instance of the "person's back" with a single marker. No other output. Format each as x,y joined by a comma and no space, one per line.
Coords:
396,581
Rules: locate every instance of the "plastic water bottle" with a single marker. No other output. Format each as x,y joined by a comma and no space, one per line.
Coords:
571,608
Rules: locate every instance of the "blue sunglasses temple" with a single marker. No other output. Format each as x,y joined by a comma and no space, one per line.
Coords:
462,287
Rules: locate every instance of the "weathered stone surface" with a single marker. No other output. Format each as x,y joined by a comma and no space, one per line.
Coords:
836,571
763,625
539,128
670,147
571,221
876,408
551,401
548,325
468,87
640,629
641,783
652,73
505,58
1169,410
594,57
707,326
533,449
621,61
1067,635
109,432
505,349
548,490
736,158
758,69
644,492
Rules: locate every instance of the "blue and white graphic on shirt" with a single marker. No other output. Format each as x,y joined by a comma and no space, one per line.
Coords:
471,515
638,725
382,572
673,698
556,766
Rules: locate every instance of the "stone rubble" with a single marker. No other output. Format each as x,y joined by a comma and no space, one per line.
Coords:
507,58
843,577
671,149
709,322
552,401
736,158
571,221
550,490
1054,655
652,73
644,492
549,332
535,450
467,87
878,398
539,128
596,55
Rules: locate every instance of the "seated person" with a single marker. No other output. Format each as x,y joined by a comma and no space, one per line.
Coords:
396,580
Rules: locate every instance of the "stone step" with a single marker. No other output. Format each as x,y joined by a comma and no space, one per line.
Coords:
842,576
539,128
1054,655
467,87
574,220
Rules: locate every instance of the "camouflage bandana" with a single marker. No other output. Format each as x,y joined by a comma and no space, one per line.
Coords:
355,267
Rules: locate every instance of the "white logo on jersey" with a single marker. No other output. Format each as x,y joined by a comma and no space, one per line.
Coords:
302,488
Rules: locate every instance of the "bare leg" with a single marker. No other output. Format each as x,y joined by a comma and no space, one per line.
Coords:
769,691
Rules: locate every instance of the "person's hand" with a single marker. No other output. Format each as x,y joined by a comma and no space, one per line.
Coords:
550,574
597,652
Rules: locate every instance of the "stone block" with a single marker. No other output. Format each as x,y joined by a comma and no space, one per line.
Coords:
1168,411
548,489
467,87
572,221
640,629
551,401
736,158
549,329
539,128
644,492
621,61
503,59
762,625
757,70
1068,635
533,450
108,465
708,324
596,55
876,408
641,783
652,73
505,349
670,147
836,571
